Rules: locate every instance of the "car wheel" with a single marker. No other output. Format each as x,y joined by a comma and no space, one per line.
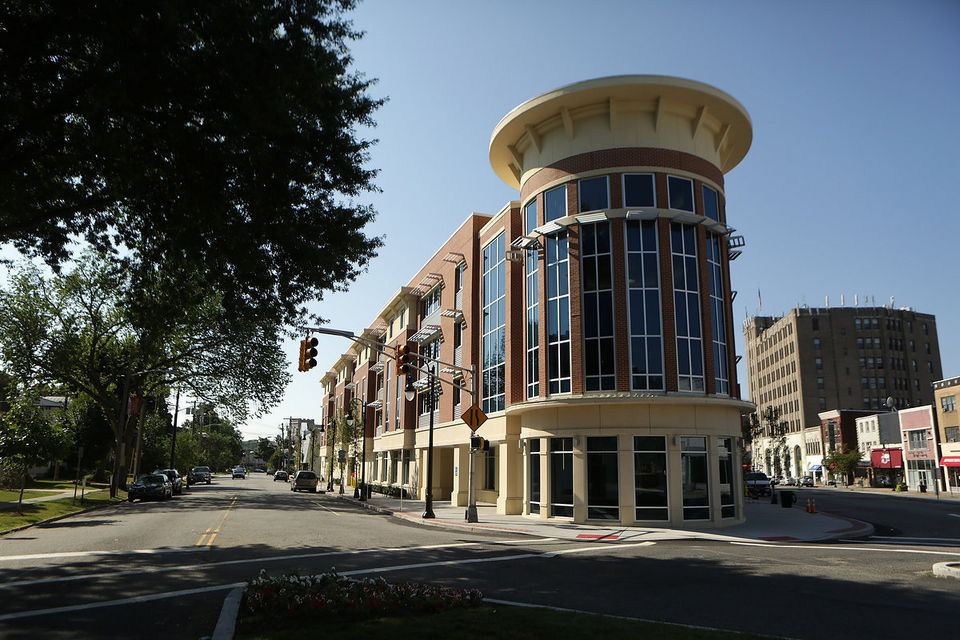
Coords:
130,499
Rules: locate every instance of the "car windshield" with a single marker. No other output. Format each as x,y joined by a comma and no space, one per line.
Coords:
755,476
201,468
306,475
153,478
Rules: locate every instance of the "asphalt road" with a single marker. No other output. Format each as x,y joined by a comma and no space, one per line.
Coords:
162,570
903,517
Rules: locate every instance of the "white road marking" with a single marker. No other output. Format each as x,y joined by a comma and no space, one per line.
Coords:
223,563
955,515
819,548
116,603
605,547
223,587
80,554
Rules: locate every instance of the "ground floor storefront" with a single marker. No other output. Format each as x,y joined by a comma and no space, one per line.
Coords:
672,462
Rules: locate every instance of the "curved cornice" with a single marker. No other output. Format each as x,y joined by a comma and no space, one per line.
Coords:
621,111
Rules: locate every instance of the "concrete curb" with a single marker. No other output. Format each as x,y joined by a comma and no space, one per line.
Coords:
947,570
227,622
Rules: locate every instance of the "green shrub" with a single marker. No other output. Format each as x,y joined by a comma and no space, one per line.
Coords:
332,596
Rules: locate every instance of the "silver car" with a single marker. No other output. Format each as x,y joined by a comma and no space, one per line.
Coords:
305,480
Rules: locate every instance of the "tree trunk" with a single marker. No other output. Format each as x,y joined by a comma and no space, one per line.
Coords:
23,483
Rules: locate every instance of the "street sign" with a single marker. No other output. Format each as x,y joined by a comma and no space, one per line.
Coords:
474,417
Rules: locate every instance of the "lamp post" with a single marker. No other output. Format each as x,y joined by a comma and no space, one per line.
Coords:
333,437
428,511
360,491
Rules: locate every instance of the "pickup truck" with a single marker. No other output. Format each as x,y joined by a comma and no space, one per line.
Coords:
200,474
757,483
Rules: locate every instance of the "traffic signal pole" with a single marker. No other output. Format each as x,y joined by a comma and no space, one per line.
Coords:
431,363
471,515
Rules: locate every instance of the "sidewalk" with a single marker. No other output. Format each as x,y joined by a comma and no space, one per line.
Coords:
765,522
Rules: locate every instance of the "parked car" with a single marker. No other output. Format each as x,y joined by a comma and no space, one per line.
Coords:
175,479
240,472
200,474
150,485
270,472
787,481
280,475
806,481
306,480
758,483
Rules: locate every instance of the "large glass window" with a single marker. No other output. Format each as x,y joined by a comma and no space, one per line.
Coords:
728,507
696,486
597,307
711,204
561,477
558,314
650,477
594,194
533,305
494,325
686,307
534,447
680,192
718,318
639,191
554,204
430,302
602,479
643,286
490,469
386,393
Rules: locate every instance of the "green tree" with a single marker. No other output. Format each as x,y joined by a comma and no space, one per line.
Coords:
76,330
843,462
210,146
265,449
27,438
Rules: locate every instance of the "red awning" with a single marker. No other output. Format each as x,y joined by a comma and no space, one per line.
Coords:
887,458
950,461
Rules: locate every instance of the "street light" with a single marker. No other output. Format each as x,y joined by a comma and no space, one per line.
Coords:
428,511
360,491
333,436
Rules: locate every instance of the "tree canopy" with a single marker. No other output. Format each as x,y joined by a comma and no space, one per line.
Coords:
206,145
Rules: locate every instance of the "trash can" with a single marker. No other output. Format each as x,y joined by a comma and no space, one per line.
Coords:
786,499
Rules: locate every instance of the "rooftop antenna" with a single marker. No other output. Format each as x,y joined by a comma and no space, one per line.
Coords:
856,299
841,299
891,302
828,301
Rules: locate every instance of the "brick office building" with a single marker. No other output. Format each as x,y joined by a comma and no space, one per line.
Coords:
595,310
812,360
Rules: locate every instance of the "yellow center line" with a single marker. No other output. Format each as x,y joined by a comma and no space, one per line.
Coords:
212,533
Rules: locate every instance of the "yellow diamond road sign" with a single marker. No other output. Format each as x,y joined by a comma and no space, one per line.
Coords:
474,417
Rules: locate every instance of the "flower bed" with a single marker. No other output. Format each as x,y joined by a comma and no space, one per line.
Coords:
332,595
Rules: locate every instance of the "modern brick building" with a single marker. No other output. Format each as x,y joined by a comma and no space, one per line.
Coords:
595,311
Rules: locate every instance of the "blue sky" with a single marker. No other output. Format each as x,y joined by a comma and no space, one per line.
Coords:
846,189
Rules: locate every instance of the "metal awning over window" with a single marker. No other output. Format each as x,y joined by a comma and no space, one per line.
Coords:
426,333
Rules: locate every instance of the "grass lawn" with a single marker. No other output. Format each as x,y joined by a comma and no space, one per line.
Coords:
11,495
481,623
38,511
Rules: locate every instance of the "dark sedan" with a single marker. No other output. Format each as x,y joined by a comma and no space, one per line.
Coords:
175,479
151,485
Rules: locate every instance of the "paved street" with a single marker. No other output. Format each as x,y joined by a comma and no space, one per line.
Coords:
168,565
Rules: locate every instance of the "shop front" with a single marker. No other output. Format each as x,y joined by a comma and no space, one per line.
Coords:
951,466
887,466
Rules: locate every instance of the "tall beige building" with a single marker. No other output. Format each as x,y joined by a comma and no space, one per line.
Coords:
812,360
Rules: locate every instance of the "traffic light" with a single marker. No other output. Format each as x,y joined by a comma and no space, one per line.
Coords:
479,444
403,360
308,353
